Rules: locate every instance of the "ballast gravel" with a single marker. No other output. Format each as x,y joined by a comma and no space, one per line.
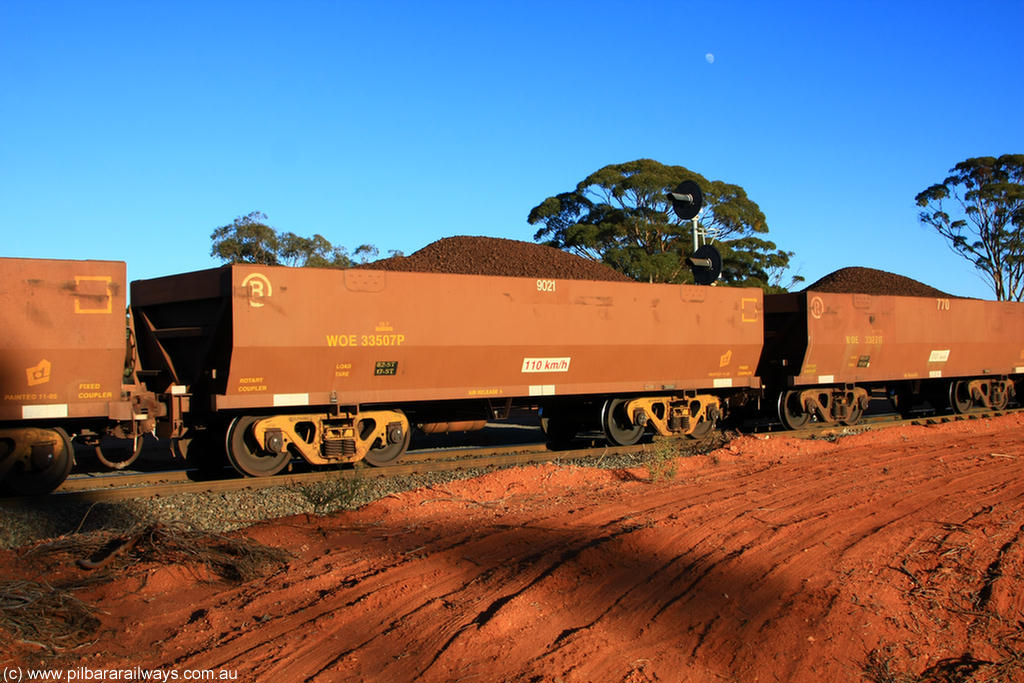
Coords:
50,517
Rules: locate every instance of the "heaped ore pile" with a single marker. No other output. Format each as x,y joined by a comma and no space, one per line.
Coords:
858,280
467,255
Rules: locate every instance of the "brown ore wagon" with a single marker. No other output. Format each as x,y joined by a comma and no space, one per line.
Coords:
824,351
64,367
339,365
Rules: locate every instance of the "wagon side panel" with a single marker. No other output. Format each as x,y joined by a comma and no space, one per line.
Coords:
860,338
62,354
304,336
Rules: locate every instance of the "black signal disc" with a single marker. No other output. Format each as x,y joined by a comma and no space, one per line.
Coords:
683,208
705,275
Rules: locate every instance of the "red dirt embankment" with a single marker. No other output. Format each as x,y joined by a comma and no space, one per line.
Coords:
773,559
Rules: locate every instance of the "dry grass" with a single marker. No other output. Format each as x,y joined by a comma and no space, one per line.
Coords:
882,666
950,585
232,559
48,617
43,615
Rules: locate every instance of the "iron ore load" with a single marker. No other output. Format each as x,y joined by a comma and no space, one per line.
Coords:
264,365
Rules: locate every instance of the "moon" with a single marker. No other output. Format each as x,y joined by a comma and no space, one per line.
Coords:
710,58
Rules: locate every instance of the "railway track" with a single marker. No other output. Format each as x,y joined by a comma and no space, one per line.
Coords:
114,487
110,487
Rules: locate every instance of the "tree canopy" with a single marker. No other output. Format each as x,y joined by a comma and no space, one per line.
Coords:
620,215
249,239
985,223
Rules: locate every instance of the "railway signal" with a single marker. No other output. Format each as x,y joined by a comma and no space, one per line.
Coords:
705,262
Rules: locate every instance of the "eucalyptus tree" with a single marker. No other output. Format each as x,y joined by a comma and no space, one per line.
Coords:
979,209
250,239
621,215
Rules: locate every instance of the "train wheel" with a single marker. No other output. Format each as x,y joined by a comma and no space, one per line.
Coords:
246,455
702,429
389,453
791,411
960,399
999,397
856,413
618,428
46,469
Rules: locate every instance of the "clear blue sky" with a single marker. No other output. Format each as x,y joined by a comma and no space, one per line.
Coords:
131,130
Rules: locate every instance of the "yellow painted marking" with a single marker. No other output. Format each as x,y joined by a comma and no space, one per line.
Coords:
748,310
48,396
93,390
95,395
381,339
248,385
817,307
38,373
377,339
105,300
259,288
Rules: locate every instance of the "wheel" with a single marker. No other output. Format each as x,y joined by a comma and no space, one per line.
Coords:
960,400
856,413
618,427
46,469
386,454
249,457
791,412
702,429
999,397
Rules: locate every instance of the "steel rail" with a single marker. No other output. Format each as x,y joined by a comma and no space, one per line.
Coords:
471,459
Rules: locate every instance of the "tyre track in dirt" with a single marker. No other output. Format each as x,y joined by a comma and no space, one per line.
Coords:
772,559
